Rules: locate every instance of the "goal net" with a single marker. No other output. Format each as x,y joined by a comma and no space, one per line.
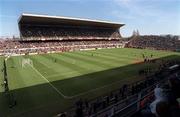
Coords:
26,62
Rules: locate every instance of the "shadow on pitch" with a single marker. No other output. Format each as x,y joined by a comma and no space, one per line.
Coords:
43,100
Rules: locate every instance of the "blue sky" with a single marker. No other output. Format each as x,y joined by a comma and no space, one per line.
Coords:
148,16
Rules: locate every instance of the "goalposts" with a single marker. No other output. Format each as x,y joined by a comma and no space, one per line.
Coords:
26,62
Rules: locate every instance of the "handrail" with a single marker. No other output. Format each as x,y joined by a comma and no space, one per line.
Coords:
138,100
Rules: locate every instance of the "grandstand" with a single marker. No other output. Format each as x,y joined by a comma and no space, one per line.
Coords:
157,42
44,27
105,79
43,34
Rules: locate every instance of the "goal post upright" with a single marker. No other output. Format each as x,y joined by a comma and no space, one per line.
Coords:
25,62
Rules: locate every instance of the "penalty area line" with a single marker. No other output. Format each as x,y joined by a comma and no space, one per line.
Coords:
74,96
80,94
66,97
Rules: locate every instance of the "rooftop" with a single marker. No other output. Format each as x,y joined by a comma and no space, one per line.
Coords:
54,20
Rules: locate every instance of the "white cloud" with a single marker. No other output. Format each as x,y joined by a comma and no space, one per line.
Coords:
140,9
122,15
123,2
135,7
154,16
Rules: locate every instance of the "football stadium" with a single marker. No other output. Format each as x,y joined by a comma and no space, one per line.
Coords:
73,67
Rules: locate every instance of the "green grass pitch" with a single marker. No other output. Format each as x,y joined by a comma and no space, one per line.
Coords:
55,81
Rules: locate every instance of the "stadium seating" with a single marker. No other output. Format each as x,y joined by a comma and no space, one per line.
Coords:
130,99
168,42
67,33
21,47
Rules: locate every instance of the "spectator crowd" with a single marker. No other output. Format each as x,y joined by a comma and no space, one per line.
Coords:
64,37
166,102
167,42
67,32
21,47
148,105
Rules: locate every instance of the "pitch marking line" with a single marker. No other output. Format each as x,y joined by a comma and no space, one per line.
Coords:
49,83
74,96
80,94
92,90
